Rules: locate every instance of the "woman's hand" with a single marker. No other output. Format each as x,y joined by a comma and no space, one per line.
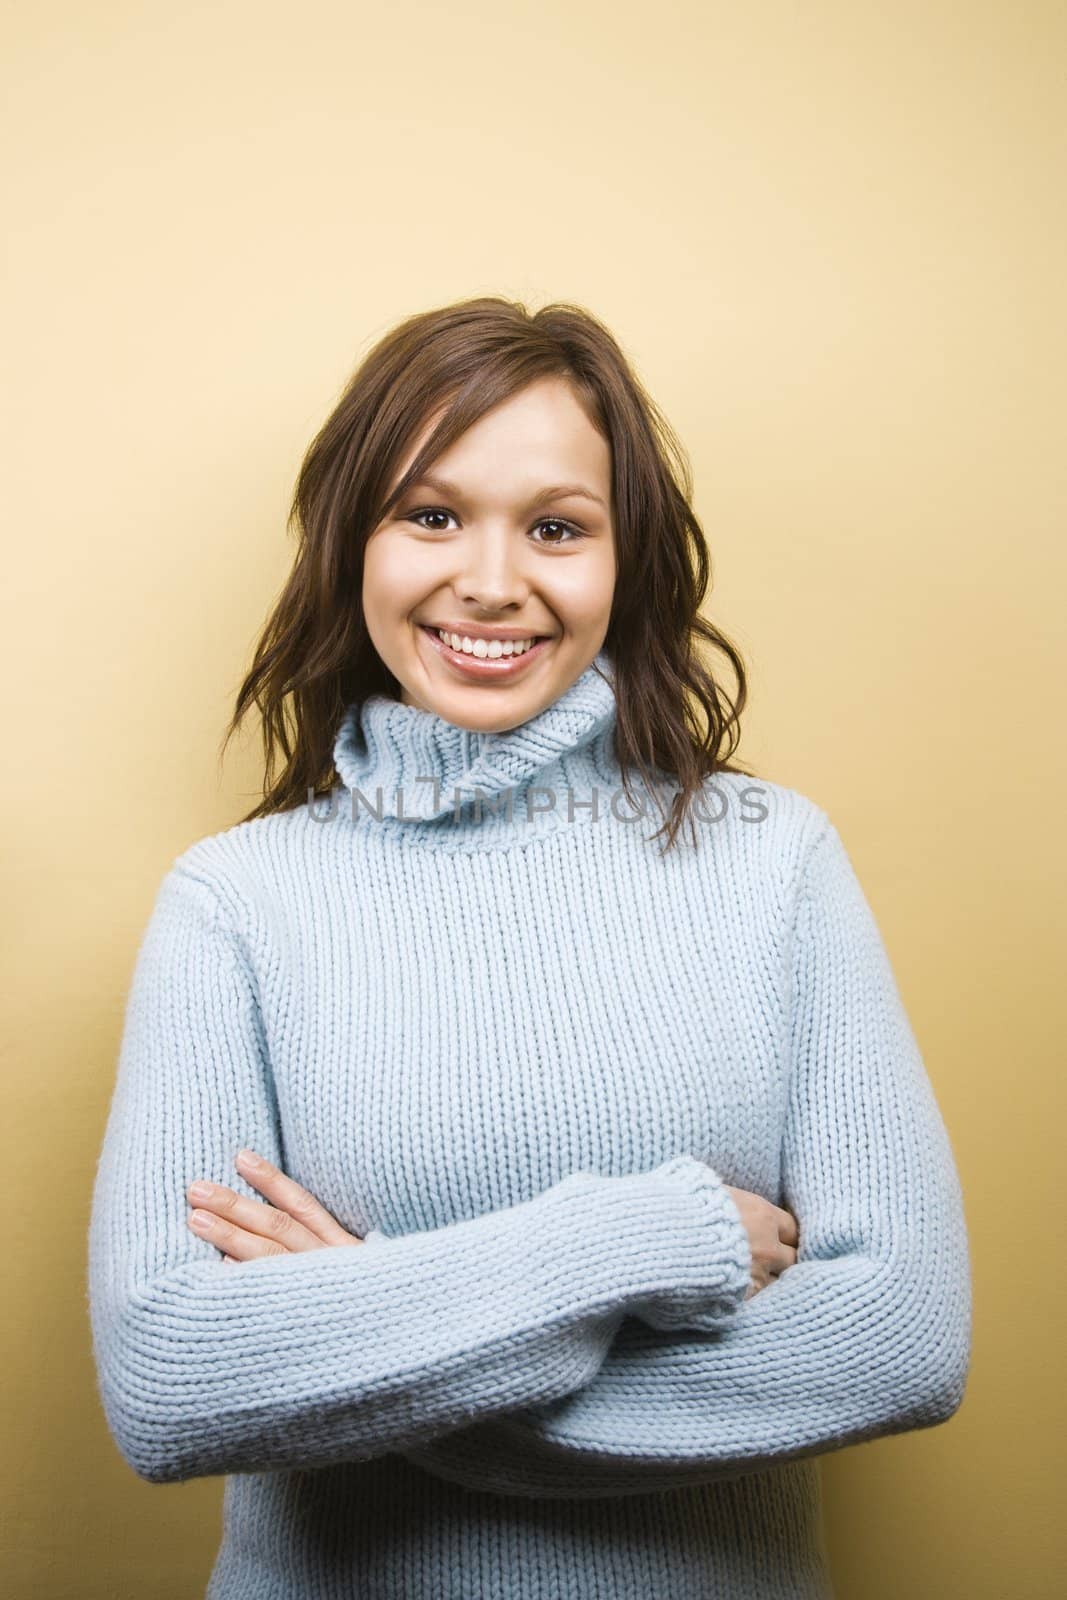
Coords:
772,1234
244,1229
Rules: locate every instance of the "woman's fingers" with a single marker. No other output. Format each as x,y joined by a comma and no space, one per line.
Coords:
292,1199
235,1242
244,1229
219,1208
788,1230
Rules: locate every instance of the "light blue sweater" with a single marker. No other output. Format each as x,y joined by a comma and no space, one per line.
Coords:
523,1052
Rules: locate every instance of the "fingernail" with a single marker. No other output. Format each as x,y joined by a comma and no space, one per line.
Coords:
247,1158
201,1219
200,1191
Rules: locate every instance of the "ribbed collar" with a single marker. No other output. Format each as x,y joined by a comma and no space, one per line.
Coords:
402,747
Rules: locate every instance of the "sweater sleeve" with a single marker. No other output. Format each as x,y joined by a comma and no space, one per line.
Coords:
344,1352
868,1333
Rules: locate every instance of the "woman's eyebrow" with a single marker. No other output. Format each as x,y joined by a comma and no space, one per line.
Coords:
558,491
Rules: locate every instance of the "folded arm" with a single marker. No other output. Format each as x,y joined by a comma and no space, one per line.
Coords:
867,1334
345,1352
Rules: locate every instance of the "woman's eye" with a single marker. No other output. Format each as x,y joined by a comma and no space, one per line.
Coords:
431,512
568,528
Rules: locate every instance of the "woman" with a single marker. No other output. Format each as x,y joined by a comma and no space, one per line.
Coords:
600,1186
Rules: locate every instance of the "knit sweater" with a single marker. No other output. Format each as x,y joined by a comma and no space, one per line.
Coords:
470,1004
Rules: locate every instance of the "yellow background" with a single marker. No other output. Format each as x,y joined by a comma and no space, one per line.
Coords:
831,238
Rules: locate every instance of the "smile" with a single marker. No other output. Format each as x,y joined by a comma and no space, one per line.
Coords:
486,660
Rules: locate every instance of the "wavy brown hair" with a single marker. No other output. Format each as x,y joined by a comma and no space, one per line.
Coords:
314,657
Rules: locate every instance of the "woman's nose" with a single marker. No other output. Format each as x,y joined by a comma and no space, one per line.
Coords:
491,571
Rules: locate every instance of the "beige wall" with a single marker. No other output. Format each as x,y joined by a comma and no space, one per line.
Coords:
831,236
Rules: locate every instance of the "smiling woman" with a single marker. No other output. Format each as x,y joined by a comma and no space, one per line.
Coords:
488,576
561,511
602,1188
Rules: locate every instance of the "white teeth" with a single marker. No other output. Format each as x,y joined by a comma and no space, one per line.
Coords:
487,647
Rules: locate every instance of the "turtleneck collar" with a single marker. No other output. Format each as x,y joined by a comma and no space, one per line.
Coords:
404,747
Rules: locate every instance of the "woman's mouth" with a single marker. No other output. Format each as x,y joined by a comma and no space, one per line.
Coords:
481,667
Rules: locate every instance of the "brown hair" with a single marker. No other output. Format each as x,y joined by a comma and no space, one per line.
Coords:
462,360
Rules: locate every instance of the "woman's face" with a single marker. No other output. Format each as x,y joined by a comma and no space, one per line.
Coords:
489,547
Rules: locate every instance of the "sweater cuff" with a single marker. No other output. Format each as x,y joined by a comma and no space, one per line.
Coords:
714,1278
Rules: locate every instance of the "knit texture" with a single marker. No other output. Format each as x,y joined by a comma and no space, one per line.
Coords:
467,1001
